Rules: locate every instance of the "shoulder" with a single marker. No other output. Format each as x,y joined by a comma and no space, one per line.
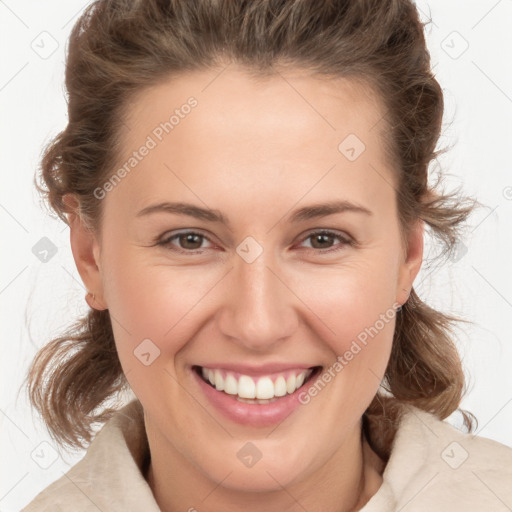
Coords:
433,465
109,476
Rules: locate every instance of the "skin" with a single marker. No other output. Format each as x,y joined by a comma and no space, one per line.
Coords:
255,150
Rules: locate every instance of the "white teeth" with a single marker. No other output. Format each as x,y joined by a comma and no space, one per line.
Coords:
264,388
262,391
290,384
230,385
246,387
256,401
219,381
280,386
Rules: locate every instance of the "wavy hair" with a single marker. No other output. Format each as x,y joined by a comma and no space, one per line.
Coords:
117,48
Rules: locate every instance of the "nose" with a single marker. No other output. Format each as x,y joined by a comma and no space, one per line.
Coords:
259,310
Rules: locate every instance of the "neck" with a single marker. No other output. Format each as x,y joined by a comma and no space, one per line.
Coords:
344,483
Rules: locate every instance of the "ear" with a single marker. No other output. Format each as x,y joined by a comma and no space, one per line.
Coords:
411,264
86,251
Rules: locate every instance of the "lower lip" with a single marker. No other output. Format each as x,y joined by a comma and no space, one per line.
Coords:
259,415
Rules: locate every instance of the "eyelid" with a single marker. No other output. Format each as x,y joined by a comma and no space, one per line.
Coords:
345,239
318,231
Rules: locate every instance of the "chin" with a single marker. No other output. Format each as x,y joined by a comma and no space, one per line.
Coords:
265,474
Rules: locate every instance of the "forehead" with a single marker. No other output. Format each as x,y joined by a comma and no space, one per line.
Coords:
234,130
254,104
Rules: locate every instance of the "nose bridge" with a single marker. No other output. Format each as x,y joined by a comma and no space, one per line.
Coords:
259,309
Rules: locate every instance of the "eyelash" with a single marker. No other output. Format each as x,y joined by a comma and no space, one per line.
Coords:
166,242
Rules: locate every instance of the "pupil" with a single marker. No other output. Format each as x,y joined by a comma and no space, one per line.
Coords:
321,237
189,238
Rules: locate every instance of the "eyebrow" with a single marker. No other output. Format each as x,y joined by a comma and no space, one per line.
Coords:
302,214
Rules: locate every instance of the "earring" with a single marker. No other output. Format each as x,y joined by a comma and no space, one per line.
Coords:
90,298
408,294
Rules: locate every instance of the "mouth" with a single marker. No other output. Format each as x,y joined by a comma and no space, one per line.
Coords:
260,390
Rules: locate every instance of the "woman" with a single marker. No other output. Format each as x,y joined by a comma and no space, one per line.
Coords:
282,361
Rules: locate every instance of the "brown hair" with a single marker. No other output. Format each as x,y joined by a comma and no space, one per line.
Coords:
117,48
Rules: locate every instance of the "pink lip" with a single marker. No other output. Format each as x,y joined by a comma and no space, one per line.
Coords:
256,415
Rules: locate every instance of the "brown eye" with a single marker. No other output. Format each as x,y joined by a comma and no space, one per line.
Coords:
188,241
324,241
321,241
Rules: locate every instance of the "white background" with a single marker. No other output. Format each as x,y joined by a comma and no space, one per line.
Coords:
38,299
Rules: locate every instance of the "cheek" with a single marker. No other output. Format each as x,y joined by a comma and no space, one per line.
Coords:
360,320
355,312
154,317
153,302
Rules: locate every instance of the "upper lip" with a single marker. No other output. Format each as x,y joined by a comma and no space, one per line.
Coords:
258,370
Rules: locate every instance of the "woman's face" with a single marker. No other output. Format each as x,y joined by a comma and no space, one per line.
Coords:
255,290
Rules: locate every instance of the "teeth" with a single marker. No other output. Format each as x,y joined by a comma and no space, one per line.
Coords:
230,385
262,391
264,388
246,387
256,401
280,386
219,381
291,384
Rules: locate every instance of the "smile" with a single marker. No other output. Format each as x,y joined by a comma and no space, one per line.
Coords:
261,390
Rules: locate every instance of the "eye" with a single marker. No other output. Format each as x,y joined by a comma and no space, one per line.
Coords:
191,241
187,241
323,239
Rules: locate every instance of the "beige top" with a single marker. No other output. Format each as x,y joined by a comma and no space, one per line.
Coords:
433,467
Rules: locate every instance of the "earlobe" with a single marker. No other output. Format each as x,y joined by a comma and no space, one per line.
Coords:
85,249
90,298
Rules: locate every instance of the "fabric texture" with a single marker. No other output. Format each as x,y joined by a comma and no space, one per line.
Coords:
433,467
